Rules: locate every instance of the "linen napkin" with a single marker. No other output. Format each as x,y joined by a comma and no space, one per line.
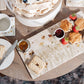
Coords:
11,32
77,3
2,5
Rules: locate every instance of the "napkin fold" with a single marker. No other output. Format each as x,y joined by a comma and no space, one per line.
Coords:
2,5
77,3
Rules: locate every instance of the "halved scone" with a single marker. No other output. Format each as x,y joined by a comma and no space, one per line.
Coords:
75,37
66,25
36,64
2,51
80,23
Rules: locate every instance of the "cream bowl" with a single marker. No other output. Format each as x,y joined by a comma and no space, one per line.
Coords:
38,20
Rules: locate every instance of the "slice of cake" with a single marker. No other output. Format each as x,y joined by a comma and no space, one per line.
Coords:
2,50
36,64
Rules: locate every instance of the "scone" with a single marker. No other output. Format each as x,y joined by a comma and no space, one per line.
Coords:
36,64
80,23
2,50
75,37
66,25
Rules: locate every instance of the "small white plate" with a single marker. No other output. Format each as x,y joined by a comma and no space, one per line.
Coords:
8,61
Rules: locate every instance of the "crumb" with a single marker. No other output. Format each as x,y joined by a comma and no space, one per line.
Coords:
51,28
48,45
31,53
24,53
43,37
41,43
45,66
46,63
51,42
37,64
59,44
67,46
32,42
50,35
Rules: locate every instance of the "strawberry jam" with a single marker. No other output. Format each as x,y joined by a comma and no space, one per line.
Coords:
59,33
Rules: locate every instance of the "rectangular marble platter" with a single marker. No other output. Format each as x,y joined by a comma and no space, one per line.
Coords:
50,50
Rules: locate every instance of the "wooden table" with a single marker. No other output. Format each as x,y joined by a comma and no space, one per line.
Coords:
18,70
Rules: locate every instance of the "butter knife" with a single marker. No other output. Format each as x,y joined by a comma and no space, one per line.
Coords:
10,49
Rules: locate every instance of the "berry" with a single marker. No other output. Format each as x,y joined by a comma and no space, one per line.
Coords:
64,41
73,17
75,29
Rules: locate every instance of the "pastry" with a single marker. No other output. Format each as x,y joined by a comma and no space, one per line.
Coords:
36,64
75,37
2,50
80,23
66,25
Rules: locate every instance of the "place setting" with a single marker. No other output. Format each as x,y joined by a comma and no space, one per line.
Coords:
48,49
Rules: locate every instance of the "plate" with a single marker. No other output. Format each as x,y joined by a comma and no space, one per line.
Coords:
8,61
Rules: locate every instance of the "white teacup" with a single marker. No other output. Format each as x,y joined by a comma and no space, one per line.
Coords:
5,23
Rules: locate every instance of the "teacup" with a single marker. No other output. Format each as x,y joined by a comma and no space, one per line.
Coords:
5,23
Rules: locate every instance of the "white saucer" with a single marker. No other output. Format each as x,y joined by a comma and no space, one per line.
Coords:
8,61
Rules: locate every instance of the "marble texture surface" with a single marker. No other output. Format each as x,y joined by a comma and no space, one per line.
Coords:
74,77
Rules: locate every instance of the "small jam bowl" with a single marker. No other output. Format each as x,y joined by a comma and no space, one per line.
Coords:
59,33
18,44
